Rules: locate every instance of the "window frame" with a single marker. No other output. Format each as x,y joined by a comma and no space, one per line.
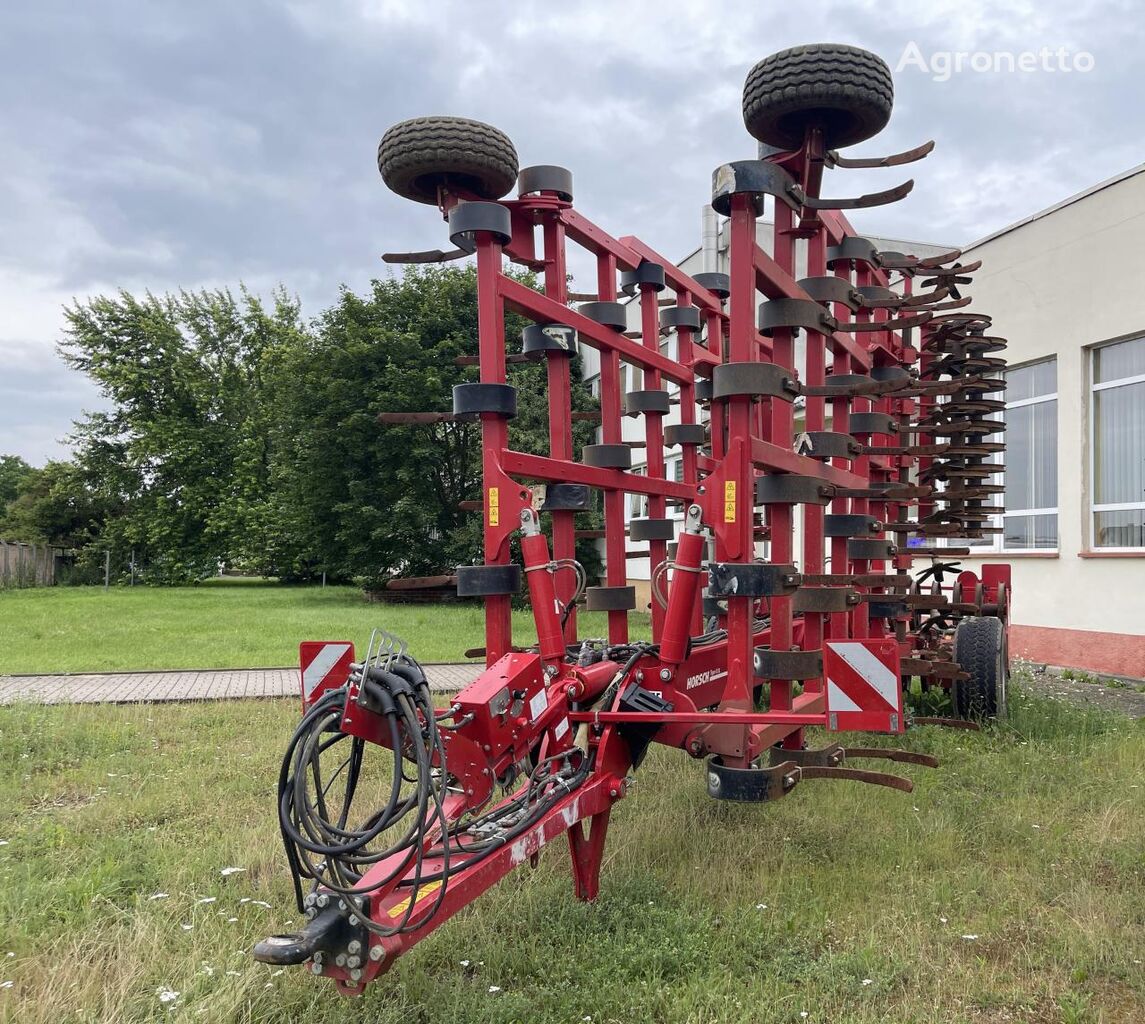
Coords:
997,542
1091,545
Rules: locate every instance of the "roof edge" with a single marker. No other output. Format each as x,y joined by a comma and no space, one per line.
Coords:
1076,198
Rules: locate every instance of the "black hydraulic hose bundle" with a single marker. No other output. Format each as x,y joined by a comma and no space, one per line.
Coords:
331,851
323,846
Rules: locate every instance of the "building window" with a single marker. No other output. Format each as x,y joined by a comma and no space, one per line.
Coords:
1030,519
1117,466
636,501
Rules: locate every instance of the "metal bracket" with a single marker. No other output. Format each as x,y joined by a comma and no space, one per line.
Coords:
752,785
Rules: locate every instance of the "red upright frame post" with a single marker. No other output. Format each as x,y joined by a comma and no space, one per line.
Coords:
611,432
558,373
654,439
494,438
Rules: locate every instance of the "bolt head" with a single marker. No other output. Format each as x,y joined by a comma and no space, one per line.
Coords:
340,960
665,674
353,946
315,968
377,952
323,900
356,974
353,961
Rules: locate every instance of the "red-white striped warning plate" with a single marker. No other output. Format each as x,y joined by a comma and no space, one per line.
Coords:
325,666
864,689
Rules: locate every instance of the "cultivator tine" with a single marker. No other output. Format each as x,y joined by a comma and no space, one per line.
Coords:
427,256
884,198
899,324
900,261
830,756
885,298
858,775
407,419
908,157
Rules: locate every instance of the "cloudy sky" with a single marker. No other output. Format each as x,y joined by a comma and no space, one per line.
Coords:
156,145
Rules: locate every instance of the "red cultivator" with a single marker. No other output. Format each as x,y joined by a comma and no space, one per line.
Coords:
875,437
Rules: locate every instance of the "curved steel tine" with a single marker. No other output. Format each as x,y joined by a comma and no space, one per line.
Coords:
958,303
933,262
859,775
926,298
892,754
425,256
890,195
901,324
907,157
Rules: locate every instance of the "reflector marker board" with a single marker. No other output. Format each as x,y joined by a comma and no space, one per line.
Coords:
864,688
325,666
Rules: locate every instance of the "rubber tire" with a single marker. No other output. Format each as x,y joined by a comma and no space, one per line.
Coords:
980,648
844,90
415,157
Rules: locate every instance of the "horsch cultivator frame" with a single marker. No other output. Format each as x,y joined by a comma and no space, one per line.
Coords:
891,463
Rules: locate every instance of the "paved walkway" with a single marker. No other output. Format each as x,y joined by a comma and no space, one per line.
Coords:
188,684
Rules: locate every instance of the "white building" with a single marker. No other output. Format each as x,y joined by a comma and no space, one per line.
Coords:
1059,286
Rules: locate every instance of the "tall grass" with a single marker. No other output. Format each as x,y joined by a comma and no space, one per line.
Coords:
845,903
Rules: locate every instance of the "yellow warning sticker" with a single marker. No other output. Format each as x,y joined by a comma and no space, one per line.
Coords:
729,501
424,893
493,505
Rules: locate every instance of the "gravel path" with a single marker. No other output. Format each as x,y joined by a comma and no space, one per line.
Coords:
1127,699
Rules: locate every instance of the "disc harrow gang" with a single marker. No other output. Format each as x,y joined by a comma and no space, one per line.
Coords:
783,595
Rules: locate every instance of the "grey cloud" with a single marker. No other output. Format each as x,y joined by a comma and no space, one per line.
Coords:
170,145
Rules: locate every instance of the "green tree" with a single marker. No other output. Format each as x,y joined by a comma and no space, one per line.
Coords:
183,451
360,499
14,473
57,505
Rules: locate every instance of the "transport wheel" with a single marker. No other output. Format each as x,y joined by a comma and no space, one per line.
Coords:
415,157
845,91
980,648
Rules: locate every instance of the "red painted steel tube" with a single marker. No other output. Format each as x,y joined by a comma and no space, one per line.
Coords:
615,563
686,579
560,408
542,309
494,433
778,430
738,497
543,596
654,440
677,280
524,464
783,718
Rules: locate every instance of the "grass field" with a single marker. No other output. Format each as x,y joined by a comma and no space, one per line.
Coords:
1009,887
227,625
